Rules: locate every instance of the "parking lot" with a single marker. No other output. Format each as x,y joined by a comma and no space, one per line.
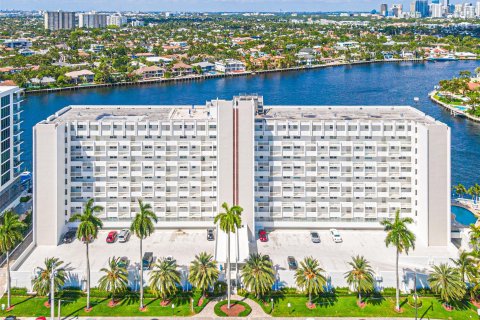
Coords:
334,256
182,245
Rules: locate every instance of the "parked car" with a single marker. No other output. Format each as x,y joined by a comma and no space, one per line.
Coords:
124,262
336,237
210,235
69,236
292,263
262,235
170,258
112,236
315,237
147,260
124,235
11,318
41,318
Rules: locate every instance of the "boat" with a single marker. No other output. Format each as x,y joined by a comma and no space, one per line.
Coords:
447,57
416,99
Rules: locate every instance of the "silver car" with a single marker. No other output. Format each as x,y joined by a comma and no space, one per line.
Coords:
124,235
315,237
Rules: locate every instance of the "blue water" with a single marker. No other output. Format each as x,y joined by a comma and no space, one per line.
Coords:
463,216
376,84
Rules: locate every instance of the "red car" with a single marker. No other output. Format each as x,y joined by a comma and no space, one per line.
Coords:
41,318
262,234
112,236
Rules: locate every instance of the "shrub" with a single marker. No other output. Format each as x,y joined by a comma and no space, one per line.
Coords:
25,199
411,301
219,288
242,292
18,291
220,313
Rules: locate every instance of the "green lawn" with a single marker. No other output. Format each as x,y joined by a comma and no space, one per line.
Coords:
32,306
346,306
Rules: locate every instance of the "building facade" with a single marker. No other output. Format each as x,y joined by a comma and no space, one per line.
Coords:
59,20
116,20
287,166
92,20
10,145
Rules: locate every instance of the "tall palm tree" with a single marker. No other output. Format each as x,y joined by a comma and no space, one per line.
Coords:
10,234
474,234
203,271
41,283
115,279
164,278
258,274
402,239
465,265
229,221
143,226
447,282
309,276
460,189
88,231
476,191
360,276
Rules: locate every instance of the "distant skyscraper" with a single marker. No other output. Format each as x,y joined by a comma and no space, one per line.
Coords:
397,10
477,9
421,6
92,20
59,20
384,9
469,11
116,20
437,10
435,1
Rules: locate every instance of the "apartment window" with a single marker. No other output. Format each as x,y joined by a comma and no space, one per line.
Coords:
5,100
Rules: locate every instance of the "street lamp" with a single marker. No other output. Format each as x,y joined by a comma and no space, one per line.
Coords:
289,306
271,300
173,307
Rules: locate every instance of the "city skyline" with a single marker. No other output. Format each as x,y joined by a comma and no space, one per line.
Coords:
201,5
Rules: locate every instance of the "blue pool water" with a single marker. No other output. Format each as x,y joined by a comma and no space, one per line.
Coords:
463,216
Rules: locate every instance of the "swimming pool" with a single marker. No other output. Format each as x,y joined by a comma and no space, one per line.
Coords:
463,216
461,108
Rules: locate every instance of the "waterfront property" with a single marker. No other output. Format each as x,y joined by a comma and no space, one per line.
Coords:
287,166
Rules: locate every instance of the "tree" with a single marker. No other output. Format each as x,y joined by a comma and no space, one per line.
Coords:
10,234
143,226
203,271
258,274
229,221
460,189
88,231
360,276
399,236
309,276
447,282
474,235
42,281
115,279
164,278
464,264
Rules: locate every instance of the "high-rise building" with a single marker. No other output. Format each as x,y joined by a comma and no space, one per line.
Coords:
384,9
468,11
421,6
287,166
10,145
59,20
435,1
436,10
92,20
477,9
116,20
397,10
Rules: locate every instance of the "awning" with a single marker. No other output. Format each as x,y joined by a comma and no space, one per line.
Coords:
239,246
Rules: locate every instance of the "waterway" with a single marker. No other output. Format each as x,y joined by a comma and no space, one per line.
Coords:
373,84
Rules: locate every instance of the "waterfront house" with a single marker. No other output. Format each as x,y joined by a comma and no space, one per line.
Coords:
150,72
205,66
230,66
81,76
181,69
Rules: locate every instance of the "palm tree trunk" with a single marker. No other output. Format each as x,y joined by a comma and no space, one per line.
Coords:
88,277
309,298
359,296
397,291
141,275
228,271
9,302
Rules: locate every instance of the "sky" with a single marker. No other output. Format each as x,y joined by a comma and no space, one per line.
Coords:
199,5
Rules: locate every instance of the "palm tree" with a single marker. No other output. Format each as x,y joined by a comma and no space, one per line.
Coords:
474,234
203,271
143,226
476,191
229,222
460,189
164,278
88,231
309,276
360,276
10,234
402,239
465,266
258,274
447,282
115,279
41,283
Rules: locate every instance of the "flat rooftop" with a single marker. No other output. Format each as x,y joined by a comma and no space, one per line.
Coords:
7,88
346,113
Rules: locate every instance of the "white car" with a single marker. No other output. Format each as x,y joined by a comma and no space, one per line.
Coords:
336,237
124,235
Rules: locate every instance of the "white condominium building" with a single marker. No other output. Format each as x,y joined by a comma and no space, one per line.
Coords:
59,20
92,20
287,166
